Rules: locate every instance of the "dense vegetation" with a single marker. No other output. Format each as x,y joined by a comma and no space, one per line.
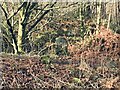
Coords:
60,44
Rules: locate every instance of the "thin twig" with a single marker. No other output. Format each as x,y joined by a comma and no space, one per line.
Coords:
17,10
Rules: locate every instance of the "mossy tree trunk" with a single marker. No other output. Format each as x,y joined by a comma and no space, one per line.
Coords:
21,30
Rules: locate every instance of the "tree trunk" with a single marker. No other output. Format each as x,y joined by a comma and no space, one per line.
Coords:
20,32
0,33
19,42
109,17
14,47
98,14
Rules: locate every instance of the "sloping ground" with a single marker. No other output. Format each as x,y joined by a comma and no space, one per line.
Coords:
102,45
105,44
93,64
30,72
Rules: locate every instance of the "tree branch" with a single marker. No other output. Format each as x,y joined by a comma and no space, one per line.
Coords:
6,15
40,18
38,13
58,7
17,10
10,27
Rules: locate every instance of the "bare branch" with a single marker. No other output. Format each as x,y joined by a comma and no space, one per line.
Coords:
50,9
6,15
28,12
38,13
10,27
40,18
58,7
17,10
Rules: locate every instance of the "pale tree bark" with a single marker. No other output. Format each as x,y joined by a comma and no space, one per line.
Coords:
10,28
98,14
20,31
12,24
110,9
19,38
0,32
109,17
114,11
80,10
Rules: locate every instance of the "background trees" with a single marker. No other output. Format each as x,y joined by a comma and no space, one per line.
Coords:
65,45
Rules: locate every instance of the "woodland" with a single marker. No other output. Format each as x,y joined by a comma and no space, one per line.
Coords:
62,45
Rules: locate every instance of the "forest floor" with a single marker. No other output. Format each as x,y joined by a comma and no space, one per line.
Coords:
95,64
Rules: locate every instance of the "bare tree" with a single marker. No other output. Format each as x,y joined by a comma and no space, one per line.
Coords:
23,13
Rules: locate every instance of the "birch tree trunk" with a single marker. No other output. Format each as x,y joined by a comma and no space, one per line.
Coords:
98,15
0,32
109,17
20,33
12,24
